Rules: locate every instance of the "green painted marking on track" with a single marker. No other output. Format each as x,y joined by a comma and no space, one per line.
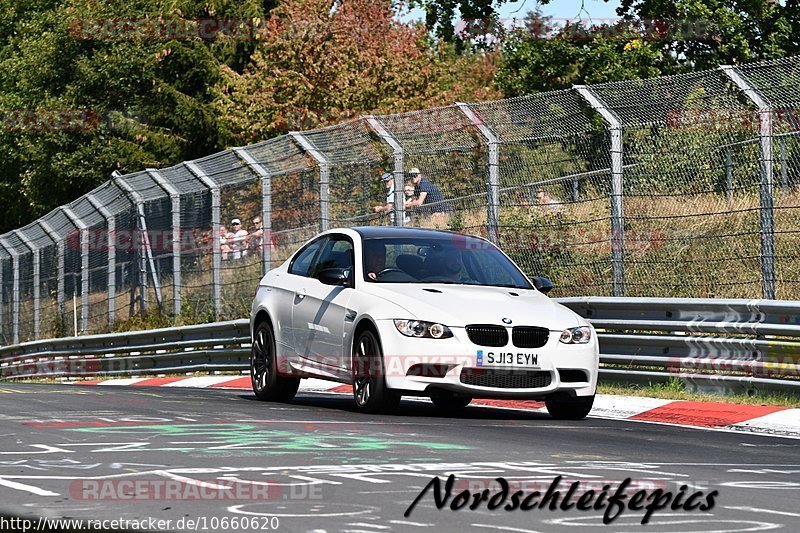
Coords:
228,438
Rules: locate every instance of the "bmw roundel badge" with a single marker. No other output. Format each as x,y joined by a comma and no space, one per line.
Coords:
506,321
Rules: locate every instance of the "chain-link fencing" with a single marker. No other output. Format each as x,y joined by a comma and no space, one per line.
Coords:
686,185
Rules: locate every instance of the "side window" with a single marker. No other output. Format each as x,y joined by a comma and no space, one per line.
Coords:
337,253
304,260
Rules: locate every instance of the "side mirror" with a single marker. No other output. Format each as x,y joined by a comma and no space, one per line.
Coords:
542,284
334,276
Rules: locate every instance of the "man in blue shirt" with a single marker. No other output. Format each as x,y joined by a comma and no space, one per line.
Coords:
429,200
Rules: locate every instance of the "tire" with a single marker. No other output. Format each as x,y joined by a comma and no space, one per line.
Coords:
369,384
563,407
267,384
450,401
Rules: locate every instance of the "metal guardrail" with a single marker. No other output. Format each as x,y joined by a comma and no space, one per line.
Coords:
710,345
204,347
741,345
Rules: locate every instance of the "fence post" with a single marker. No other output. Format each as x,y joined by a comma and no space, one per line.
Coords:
175,199
784,176
729,174
617,188
216,245
15,290
111,226
84,233
399,172
146,250
266,205
767,218
37,301
493,185
60,296
324,178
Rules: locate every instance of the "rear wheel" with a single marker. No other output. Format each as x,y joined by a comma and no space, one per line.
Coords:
369,384
450,401
564,407
267,384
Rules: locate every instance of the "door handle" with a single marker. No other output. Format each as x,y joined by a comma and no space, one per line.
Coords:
301,293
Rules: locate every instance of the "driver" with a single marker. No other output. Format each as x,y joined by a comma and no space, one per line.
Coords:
374,259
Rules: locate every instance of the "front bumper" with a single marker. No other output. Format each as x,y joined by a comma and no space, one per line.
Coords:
455,362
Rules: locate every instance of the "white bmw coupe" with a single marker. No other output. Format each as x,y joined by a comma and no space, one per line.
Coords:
403,311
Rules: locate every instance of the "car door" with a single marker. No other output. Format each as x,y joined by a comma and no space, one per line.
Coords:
319,312
287,287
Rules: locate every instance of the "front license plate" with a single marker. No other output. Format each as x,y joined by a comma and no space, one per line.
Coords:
515,359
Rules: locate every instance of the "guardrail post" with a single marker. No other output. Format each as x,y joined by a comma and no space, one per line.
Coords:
175,198
146,250
493,185
324,178
61,280
399,172
266,205
111,226
216,258
84,233
617,188
15,290
37,302
767,213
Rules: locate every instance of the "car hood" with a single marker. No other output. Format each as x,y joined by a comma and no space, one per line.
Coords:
460,305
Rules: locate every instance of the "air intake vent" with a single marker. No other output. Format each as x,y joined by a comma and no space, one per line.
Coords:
487,334
506,379
572,375
529,336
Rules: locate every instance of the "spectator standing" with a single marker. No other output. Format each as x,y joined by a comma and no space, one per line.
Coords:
257,235
224,247
429,200
237,239
388,205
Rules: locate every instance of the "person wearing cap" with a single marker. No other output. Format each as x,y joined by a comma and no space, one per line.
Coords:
428,199
388,206
237,239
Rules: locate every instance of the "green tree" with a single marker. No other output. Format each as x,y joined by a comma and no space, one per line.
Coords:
323,62
652,38
146,101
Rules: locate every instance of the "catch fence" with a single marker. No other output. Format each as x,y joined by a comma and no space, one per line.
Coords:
681,186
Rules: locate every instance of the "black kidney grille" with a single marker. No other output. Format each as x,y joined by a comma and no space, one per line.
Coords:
506,379
487,334
529,336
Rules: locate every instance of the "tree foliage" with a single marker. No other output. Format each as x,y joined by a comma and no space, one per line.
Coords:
155,99
651,38
324,62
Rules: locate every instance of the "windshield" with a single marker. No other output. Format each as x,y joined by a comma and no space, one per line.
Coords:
457,259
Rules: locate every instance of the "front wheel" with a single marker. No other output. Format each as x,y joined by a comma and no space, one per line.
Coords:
563,407
369,384
267,384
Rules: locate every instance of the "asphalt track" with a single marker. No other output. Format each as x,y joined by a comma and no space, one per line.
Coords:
212,456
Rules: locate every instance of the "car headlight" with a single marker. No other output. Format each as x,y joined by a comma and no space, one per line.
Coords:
579,335
422,329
